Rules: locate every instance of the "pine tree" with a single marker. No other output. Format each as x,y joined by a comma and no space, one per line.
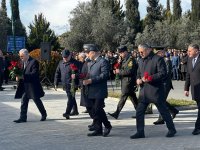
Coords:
195,14
3,26
167,12
177,10
19,27
132,20
153,12
117,10
40,32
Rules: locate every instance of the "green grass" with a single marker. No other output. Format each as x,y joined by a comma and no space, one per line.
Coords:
173,102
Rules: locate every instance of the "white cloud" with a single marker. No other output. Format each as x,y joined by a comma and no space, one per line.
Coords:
57,12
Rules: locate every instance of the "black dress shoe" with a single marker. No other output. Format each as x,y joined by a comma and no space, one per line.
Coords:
171,133
174,114
43,118
158,122
20,121
196,132
114,115
107,131
95,133
74,114
91,128
66,116
137,136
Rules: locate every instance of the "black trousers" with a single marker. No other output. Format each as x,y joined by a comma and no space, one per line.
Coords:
24,106
123,99
161,106
98,114
71,103
197,124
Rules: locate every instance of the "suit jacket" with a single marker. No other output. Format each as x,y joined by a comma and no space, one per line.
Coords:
152,91
128,72
98,71
31,83
193,79
63,73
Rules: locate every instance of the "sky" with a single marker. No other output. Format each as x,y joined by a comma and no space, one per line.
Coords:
57,12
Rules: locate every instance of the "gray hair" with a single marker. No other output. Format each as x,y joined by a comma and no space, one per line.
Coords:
144,46
24,51
82,55
195,46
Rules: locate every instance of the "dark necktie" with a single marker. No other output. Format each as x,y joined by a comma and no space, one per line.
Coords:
193,62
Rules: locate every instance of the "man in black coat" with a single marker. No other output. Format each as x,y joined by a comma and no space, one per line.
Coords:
167,86
150,76
29,86
64,72
127,72
193,80
97,91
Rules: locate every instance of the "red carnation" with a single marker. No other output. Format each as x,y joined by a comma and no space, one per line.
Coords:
82,75
73,67
116,65
149,78
13,63
146,75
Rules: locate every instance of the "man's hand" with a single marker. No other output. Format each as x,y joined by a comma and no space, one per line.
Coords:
17,78
73,76
186,93
117,71
139,81
86,82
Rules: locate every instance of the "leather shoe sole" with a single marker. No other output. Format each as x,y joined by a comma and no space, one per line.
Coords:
19,121
95,133
107,131
196,132
137,136
113,115
159,122
171,133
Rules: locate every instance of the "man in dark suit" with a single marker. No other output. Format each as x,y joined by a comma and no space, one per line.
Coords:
98,74
127,72
29,86
64,72
167,86
193,80
150,75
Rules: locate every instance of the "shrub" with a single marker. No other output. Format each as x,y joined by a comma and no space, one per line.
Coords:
50,65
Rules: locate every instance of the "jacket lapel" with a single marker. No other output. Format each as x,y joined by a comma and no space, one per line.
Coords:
27,64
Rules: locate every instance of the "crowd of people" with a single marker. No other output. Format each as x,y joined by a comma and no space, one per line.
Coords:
150,69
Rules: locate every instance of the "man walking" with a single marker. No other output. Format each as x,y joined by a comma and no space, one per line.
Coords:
97,76
193,80
29,86
127,72
150,75
64,72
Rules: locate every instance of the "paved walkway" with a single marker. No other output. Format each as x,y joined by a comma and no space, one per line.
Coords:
59,134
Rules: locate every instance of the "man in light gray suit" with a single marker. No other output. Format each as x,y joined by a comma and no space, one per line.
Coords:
97,76
193,80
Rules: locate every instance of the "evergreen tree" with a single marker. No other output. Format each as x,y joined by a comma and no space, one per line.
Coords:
195,14
117,10
177,10
153,12
167,12
3,26
40,32
19,27
132,21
